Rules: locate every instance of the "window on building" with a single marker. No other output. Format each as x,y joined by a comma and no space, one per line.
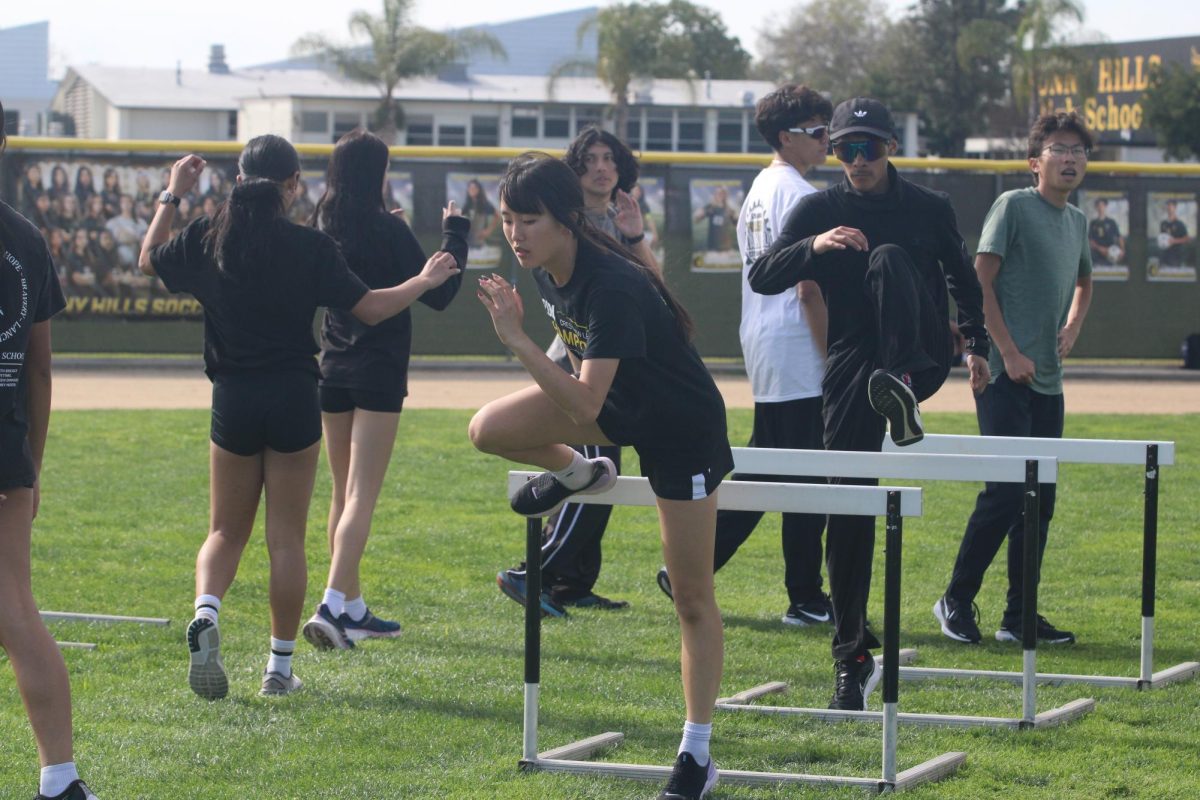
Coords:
452,135
658,129
557,122
485,131
525,122
730,125
588,115
419,130
691,132
12,122
755,142
231,128
314,122
633,129
343,123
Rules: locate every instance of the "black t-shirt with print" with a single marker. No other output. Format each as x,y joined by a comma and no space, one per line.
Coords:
262,321
662,396
29,294
355,355
1173,255
1105,233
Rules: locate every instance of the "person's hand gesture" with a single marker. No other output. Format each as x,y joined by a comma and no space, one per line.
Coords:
185,173
629,220
840,238
451,210
440,266
504,305
979,373
1019,368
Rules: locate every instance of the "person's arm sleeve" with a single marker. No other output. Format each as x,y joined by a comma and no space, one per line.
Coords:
454,242
178,260
1085,261
52,300
337,286
790,258
963,283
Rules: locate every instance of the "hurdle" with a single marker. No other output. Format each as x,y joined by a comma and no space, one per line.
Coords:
1031,472
72,616
890,502
1151,455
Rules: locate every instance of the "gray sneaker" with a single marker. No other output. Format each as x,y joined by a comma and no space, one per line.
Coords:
275,684
206,673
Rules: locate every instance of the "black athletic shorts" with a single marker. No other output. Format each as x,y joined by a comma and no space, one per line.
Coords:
674,475
339,399
279,410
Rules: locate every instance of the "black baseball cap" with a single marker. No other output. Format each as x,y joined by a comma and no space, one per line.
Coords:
862,115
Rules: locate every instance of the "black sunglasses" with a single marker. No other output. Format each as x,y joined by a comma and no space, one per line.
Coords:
870,150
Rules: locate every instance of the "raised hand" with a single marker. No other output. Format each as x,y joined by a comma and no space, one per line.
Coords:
184,174
504,305
440,266
629,220
840,238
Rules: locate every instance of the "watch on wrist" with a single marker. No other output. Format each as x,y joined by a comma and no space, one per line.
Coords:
632,240
166,198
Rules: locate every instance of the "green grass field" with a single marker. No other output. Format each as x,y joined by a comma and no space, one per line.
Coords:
437,713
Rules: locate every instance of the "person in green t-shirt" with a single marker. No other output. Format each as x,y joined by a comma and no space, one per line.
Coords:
1034,264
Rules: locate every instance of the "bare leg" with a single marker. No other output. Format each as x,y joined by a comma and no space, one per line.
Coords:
235,487
337,429
40,672
688,532
528,428
288,479
372,436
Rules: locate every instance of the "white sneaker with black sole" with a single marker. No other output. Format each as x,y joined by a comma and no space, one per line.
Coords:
892,398
206,672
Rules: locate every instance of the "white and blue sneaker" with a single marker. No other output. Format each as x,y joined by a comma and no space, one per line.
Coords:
326,632
369,627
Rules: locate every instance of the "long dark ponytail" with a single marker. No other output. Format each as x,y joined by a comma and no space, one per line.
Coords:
537,183
353,195
241,228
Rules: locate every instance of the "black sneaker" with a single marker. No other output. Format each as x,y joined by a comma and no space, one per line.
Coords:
689,780
544,494
958,622
1010,631
512,584
591,600
76,790
891,397
855,679
816,611
664,582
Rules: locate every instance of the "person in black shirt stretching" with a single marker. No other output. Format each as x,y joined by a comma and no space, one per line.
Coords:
883,251
640,382
364,375
29,296
260,280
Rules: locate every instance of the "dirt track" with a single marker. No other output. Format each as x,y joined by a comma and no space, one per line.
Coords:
98,389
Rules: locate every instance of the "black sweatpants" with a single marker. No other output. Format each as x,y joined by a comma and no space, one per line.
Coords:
794,425
911,338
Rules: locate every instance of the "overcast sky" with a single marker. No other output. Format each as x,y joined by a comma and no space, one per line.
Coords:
157,33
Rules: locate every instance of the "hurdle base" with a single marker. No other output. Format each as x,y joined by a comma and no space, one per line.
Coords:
76,645
568,759
1180,672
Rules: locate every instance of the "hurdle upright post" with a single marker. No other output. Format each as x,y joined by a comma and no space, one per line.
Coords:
1029,586
891,637
533,634
1149,565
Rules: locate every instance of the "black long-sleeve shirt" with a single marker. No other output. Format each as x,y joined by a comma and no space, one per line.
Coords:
919,220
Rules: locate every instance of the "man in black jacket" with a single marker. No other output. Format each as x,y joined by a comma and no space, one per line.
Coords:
884,251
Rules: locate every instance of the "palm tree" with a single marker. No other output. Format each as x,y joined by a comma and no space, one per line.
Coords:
394,49
1041,51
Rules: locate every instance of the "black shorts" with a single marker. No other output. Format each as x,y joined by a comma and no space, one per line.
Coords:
339,399
16,459
279,410
694,475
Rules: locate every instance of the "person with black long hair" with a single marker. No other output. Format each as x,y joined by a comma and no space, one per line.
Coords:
29,296
364,375
640,383
260,280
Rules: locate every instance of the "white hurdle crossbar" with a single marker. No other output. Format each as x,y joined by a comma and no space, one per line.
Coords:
1151,455
890,502
1032,472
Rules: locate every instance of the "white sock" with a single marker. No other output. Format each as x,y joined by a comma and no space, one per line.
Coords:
577,474
208,606
56,778
695,741
335,601
356,608
281,656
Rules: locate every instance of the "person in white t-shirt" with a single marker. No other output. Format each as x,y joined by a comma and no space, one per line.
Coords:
783,339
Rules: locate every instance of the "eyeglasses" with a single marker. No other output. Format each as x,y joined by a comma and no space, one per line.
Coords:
1061,150
871,150
817,132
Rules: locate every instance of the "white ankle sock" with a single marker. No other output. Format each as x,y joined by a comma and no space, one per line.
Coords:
356,609
576,474
335,601
281,656
208,606
695,741
56,778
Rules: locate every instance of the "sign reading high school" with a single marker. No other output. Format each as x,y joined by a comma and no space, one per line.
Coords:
1121,75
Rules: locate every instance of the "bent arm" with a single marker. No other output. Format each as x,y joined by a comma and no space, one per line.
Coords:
580,398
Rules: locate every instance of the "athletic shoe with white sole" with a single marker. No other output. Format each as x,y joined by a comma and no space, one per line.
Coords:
369,627
815,611
206,672
76,790
276,684
958,622
544,494
689,780
512,584
664,582
856,678
891,397
1047,633
326,632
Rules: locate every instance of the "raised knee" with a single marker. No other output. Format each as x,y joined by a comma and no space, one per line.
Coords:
482,431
